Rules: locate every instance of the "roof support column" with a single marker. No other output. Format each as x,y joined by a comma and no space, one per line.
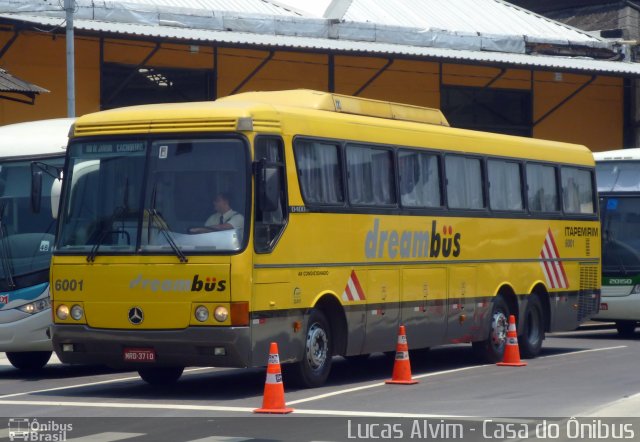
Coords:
563,102
375,76
69,6
214,86
253,73
331,64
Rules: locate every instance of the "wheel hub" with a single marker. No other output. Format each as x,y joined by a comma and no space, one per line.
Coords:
317,346
499,326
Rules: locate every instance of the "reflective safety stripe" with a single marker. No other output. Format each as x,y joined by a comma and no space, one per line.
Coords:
402,339
512,341
402,355
274,378
274,359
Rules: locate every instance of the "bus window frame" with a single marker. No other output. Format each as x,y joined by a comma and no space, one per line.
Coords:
438,154
594,191
340,147
523,185
394,170
558,213
284,191
483,181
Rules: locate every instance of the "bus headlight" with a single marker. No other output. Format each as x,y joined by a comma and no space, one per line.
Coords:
202,313
35,306
221,313
62,312
77,312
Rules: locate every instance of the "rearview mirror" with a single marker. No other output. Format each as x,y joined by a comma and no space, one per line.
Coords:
36,190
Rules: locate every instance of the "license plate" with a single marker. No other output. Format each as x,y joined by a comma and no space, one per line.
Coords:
139,355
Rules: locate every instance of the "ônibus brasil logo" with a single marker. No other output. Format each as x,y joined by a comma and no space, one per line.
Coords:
393,244
208,284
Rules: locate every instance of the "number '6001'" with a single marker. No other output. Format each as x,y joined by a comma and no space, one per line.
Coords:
68,285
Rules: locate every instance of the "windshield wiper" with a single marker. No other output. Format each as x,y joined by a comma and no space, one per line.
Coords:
156,218
5,251
107,227
117,212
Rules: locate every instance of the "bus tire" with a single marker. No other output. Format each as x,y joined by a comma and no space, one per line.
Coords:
29,360
161,375
626,329
313,370
530,341
492,349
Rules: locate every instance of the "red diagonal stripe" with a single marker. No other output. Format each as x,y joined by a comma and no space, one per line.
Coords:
354,278
555,249
347,290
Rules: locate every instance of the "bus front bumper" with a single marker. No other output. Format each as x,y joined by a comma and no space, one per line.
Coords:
620,308
22,332
192,346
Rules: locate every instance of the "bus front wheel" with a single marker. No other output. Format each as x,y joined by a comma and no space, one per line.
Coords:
29,360
161,375
313,370
530,340
492,349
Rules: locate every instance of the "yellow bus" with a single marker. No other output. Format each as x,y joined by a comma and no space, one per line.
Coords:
343,217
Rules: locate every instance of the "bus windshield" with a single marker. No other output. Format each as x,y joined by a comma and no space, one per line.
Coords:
154,196
620,239
26,238
618,176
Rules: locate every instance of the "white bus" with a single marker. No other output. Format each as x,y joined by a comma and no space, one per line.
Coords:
30,153
618,178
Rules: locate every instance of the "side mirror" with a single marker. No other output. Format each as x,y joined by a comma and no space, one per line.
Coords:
56,189
268,186
36,190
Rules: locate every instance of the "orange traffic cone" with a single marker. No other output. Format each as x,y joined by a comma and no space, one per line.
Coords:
511,351
273,400
401,366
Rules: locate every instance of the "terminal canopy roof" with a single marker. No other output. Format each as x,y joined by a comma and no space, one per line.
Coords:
13,85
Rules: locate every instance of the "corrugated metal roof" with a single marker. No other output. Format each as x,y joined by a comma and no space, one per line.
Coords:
584,65
473,16
242,6
9,83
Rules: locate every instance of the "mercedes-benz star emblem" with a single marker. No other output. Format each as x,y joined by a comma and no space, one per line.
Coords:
136,316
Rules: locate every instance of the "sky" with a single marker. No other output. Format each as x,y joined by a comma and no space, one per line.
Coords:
315,7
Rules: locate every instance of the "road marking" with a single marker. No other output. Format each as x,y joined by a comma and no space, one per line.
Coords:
89,384
379,384
591,350
218,408
105,437
220,439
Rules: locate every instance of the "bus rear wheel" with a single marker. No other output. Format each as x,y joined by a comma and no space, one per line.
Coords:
313,370
161,375
492,349
626,329
29,360
530,341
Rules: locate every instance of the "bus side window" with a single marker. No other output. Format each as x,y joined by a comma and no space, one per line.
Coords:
270,224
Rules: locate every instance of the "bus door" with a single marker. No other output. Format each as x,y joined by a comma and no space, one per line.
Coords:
382,312
424,306
461,303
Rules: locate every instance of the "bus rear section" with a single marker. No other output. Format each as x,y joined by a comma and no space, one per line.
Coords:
618,175
27,228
